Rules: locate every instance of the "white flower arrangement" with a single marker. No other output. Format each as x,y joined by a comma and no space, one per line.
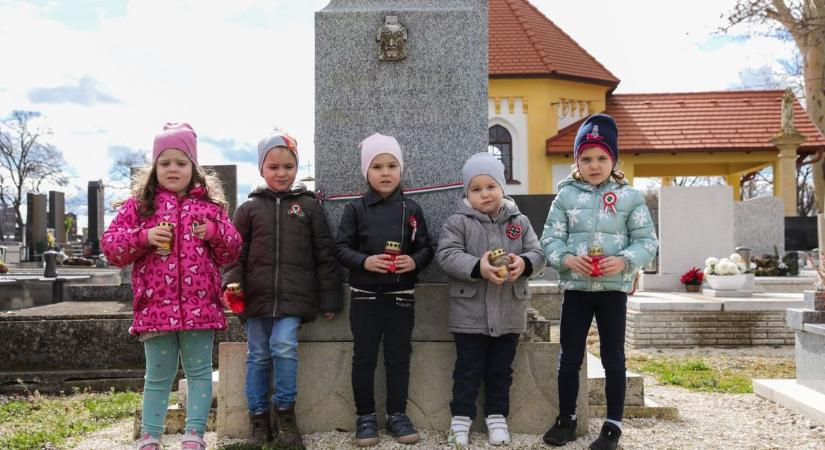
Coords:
732,265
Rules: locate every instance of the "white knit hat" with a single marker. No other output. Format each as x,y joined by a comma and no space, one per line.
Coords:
376,145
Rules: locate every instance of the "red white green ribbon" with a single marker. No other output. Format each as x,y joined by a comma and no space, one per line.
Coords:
610,200
321,195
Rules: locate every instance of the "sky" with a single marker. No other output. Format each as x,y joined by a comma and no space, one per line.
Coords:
106,75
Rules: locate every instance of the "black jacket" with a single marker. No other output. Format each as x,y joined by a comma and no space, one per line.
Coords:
366,226
287,266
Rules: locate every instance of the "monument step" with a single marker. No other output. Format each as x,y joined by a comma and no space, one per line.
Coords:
794,396
634,396
325,400
648,410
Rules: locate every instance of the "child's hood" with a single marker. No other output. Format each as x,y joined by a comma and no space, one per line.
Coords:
510,210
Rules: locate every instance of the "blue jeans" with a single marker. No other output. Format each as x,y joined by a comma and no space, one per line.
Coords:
271,342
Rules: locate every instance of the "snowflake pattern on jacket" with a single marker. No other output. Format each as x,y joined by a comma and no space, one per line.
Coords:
179,291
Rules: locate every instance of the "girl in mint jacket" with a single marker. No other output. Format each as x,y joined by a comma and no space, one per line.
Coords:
596,212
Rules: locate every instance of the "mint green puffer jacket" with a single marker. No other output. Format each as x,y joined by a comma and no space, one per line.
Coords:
579,218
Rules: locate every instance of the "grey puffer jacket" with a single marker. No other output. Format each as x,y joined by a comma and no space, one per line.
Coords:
476,305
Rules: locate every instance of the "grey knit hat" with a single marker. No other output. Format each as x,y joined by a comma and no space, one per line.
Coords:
277,138
483,163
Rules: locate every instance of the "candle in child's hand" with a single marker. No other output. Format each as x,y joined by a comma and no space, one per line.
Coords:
165,248
596,254
498,258
392,249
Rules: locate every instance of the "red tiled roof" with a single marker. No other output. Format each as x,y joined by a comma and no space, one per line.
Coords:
522,41
697,121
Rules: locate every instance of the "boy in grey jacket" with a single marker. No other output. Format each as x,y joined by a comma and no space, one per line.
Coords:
488,307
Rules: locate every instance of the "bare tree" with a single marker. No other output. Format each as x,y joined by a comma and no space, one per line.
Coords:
125,159
804,21
805,205
758,184
25,161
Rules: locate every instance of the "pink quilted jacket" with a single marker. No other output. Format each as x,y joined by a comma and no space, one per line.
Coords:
179,291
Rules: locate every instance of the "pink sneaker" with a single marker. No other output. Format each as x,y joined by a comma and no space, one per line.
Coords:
191,441
148,442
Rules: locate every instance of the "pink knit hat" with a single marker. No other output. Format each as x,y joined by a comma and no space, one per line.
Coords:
376,145
177,135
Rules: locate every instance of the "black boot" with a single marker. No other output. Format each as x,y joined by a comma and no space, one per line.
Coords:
261,430
290,435
562,431
608,438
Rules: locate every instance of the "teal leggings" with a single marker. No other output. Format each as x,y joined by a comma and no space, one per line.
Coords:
195,350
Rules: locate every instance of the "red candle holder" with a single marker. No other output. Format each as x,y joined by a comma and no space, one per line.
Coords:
235,297
392,249
596,254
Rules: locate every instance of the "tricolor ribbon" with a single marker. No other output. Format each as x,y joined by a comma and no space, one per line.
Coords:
414,225
610,200
321,194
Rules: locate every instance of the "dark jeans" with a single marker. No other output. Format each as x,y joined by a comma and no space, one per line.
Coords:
577,311
373,317
478,357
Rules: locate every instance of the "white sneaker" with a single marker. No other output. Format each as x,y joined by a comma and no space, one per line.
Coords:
459,436
497,431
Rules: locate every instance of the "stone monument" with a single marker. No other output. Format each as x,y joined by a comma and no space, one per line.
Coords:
57,216
96,210
416,70
35,226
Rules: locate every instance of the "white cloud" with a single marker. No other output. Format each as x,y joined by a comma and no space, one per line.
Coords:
663,46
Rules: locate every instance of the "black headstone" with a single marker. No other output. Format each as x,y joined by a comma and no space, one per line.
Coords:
35,226
96,210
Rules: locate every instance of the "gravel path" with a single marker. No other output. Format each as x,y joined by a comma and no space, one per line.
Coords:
708,421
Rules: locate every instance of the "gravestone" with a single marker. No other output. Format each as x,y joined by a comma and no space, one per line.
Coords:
760,225
694,223
434,101
228,174
805,394
96,210
57,215
35,226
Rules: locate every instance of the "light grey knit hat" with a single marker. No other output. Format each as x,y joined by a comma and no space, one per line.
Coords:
483,163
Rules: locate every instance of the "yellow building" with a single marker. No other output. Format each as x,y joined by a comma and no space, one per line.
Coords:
543,84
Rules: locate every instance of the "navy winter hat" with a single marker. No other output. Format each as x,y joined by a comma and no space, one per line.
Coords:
601,130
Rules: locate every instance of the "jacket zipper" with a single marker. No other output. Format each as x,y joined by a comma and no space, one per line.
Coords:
403,228
593,227
178,250
277,252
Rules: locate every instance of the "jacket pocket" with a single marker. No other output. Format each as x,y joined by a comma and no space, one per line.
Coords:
518,313
466,311
463,290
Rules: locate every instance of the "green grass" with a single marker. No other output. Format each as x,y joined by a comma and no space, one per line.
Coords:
725,375
34,422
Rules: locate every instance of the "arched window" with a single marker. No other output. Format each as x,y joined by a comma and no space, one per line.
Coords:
501,145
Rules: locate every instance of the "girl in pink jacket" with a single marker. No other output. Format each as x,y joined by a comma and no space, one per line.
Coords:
176,231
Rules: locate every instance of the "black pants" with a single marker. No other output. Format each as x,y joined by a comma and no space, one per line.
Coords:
373,317
577,311
478,357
